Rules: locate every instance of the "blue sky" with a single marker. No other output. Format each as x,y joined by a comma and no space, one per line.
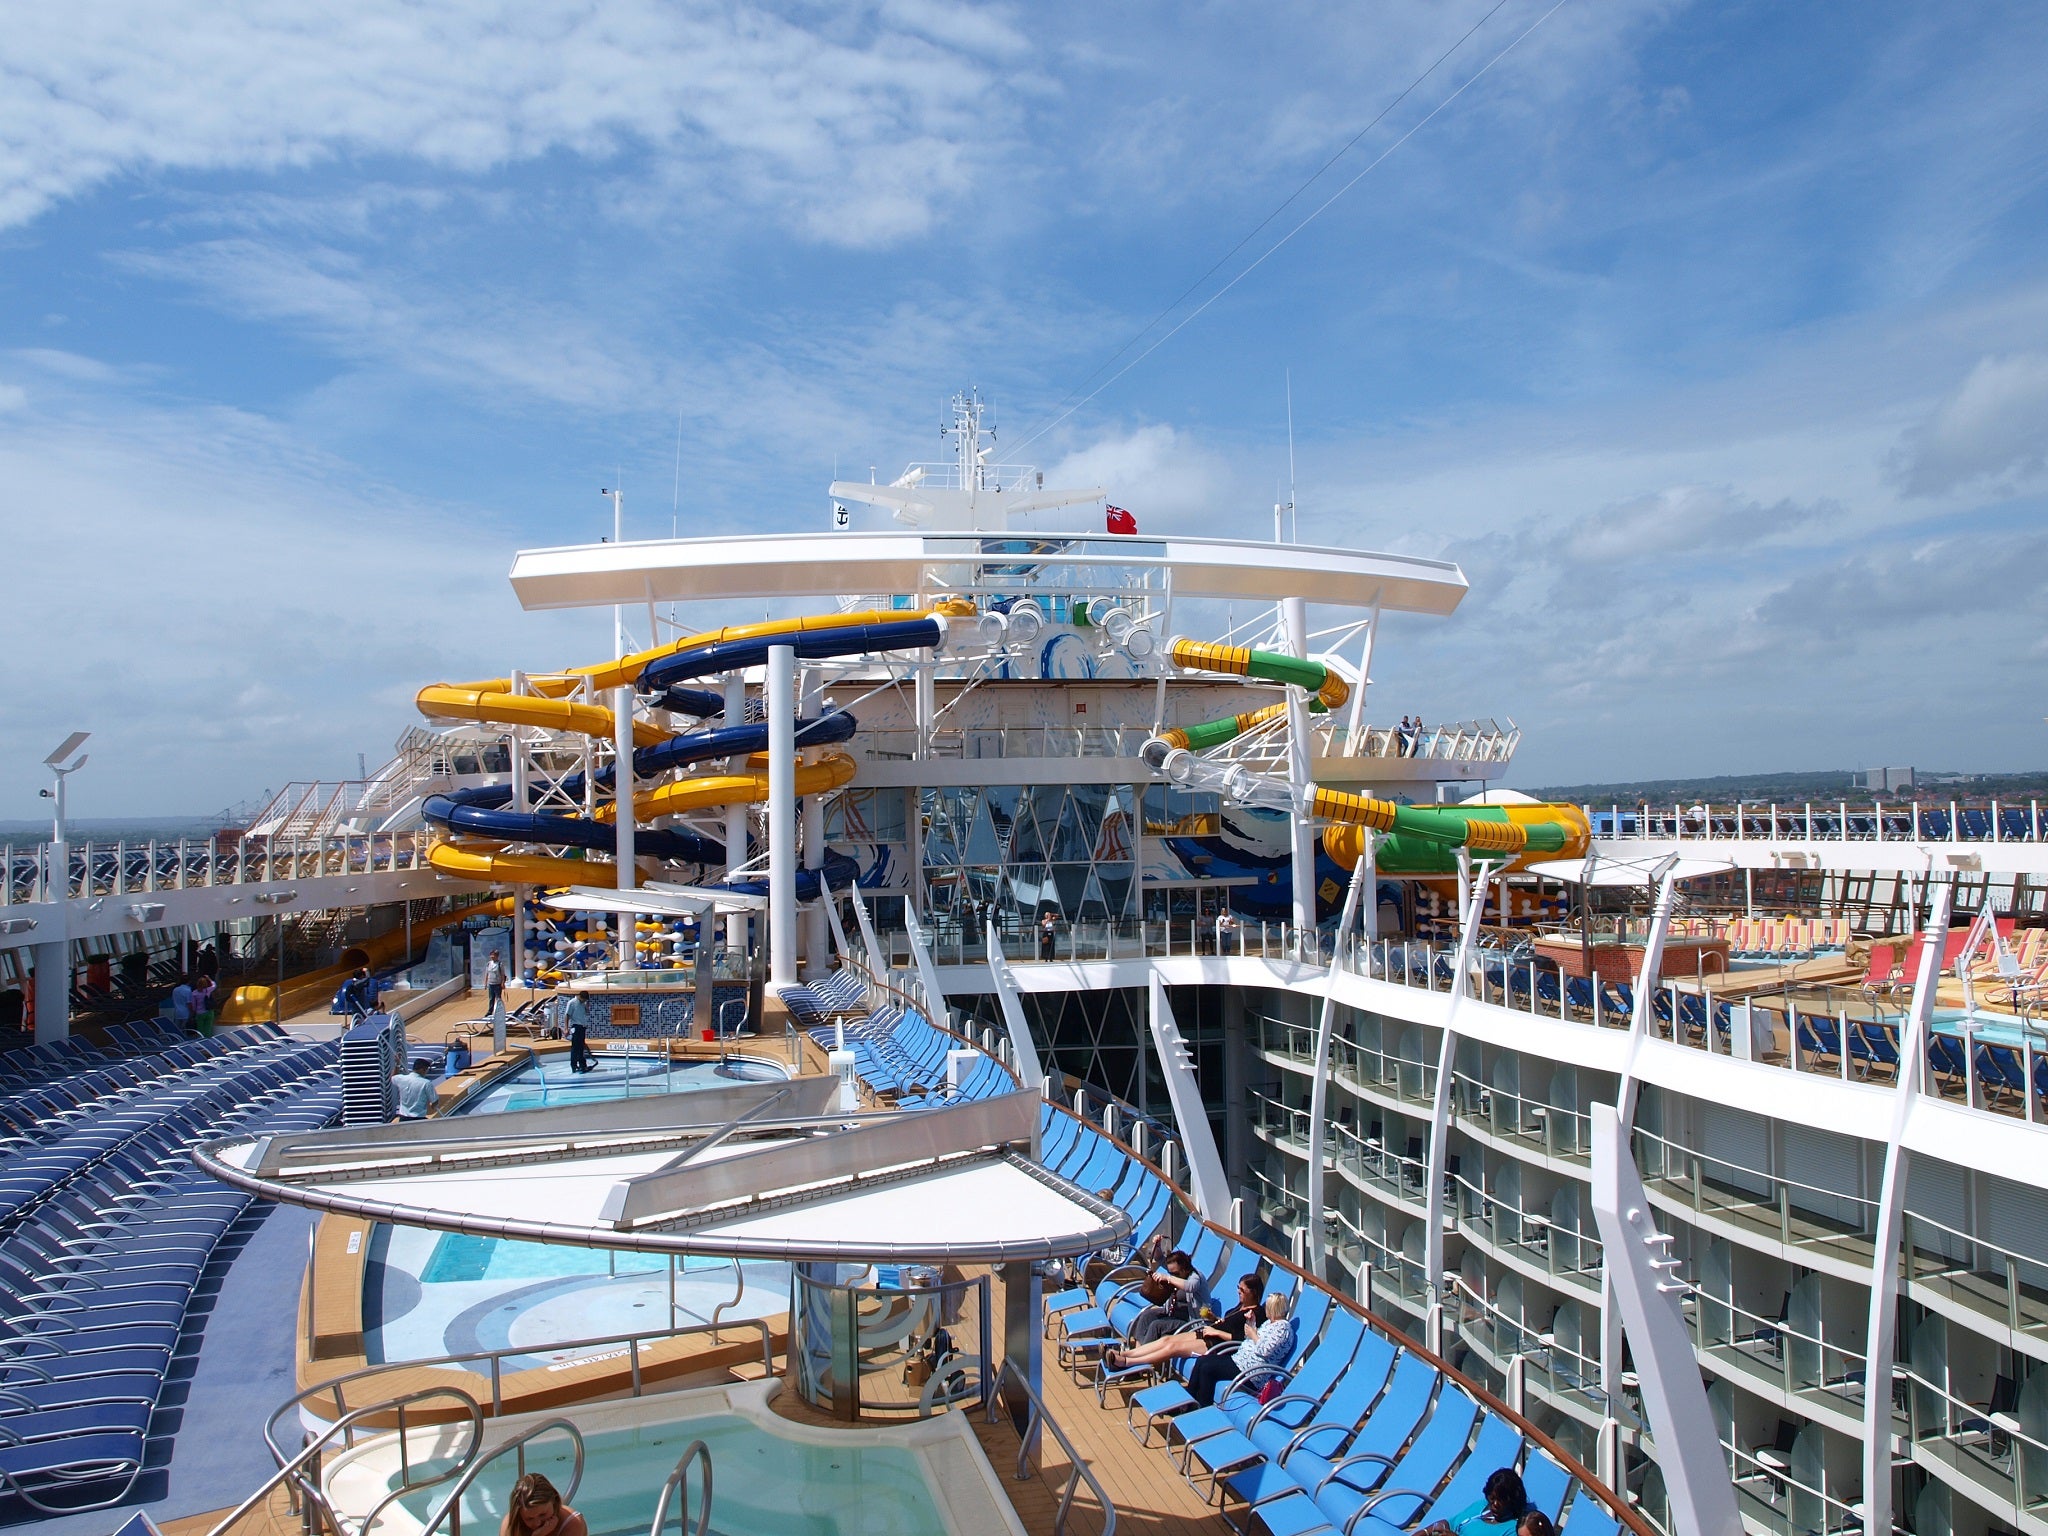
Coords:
1712,340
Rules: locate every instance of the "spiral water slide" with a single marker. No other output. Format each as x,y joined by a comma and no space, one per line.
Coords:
483,823
1416,839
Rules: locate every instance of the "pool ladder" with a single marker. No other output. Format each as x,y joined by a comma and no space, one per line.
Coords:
678,1486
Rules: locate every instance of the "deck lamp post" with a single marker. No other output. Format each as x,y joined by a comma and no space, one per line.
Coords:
53,955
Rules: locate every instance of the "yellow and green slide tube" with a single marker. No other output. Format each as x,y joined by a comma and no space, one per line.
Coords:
1417,839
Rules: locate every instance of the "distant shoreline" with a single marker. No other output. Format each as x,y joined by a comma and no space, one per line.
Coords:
108,829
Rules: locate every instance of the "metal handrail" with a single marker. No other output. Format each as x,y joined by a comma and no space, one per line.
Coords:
679,1479
452,1503
289,1467
495,1357
739,1275
1079,1471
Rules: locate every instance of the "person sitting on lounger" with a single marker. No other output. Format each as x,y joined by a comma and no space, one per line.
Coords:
1498,1513
1174,1291
1269,1347
1226,1330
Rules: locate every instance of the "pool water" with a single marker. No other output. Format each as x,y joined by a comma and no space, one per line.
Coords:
459,1256
762,1484
547,1085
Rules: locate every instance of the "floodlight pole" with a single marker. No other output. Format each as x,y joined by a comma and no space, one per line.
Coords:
53,954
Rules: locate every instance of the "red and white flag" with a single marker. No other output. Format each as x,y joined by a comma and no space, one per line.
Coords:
1120,521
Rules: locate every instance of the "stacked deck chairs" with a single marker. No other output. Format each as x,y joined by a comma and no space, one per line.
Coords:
97,1271
1363,1435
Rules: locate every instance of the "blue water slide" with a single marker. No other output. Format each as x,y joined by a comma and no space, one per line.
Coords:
727,741
815,645
699,702
462,812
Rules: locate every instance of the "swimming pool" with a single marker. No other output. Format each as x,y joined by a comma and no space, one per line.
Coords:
547,1082
770,1477
428,1294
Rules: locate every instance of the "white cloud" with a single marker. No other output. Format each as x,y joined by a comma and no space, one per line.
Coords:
1159,473
1681,517
1995,423
856,137
226,610
12,397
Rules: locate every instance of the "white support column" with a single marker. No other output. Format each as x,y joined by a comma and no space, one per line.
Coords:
828,903
816,962
1472,901
735,815
1023,1049
53,979
926,695
877,961
1883,1326
1648,1292
781,709
1205,1167
927,973
1295,614
1357,718
1319,1078
913,849
515,738
1369,861
623,824
1652,972
1666,877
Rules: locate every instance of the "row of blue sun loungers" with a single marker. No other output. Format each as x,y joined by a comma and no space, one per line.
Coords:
110,1230
898,1053
1365,1435
53,1133
54,1060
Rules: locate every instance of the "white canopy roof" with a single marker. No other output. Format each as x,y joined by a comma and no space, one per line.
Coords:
825,565
950,1183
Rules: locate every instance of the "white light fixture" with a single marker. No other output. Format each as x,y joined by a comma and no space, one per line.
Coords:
145,911
16,924
1026,620
273,898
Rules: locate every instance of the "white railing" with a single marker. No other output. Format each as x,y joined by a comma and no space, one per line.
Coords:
140,868
1866,821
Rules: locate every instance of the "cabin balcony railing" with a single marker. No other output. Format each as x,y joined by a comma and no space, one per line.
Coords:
1990,1447
1802,1365
1800,1217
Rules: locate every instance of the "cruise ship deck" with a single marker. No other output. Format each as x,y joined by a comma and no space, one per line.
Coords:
934,949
